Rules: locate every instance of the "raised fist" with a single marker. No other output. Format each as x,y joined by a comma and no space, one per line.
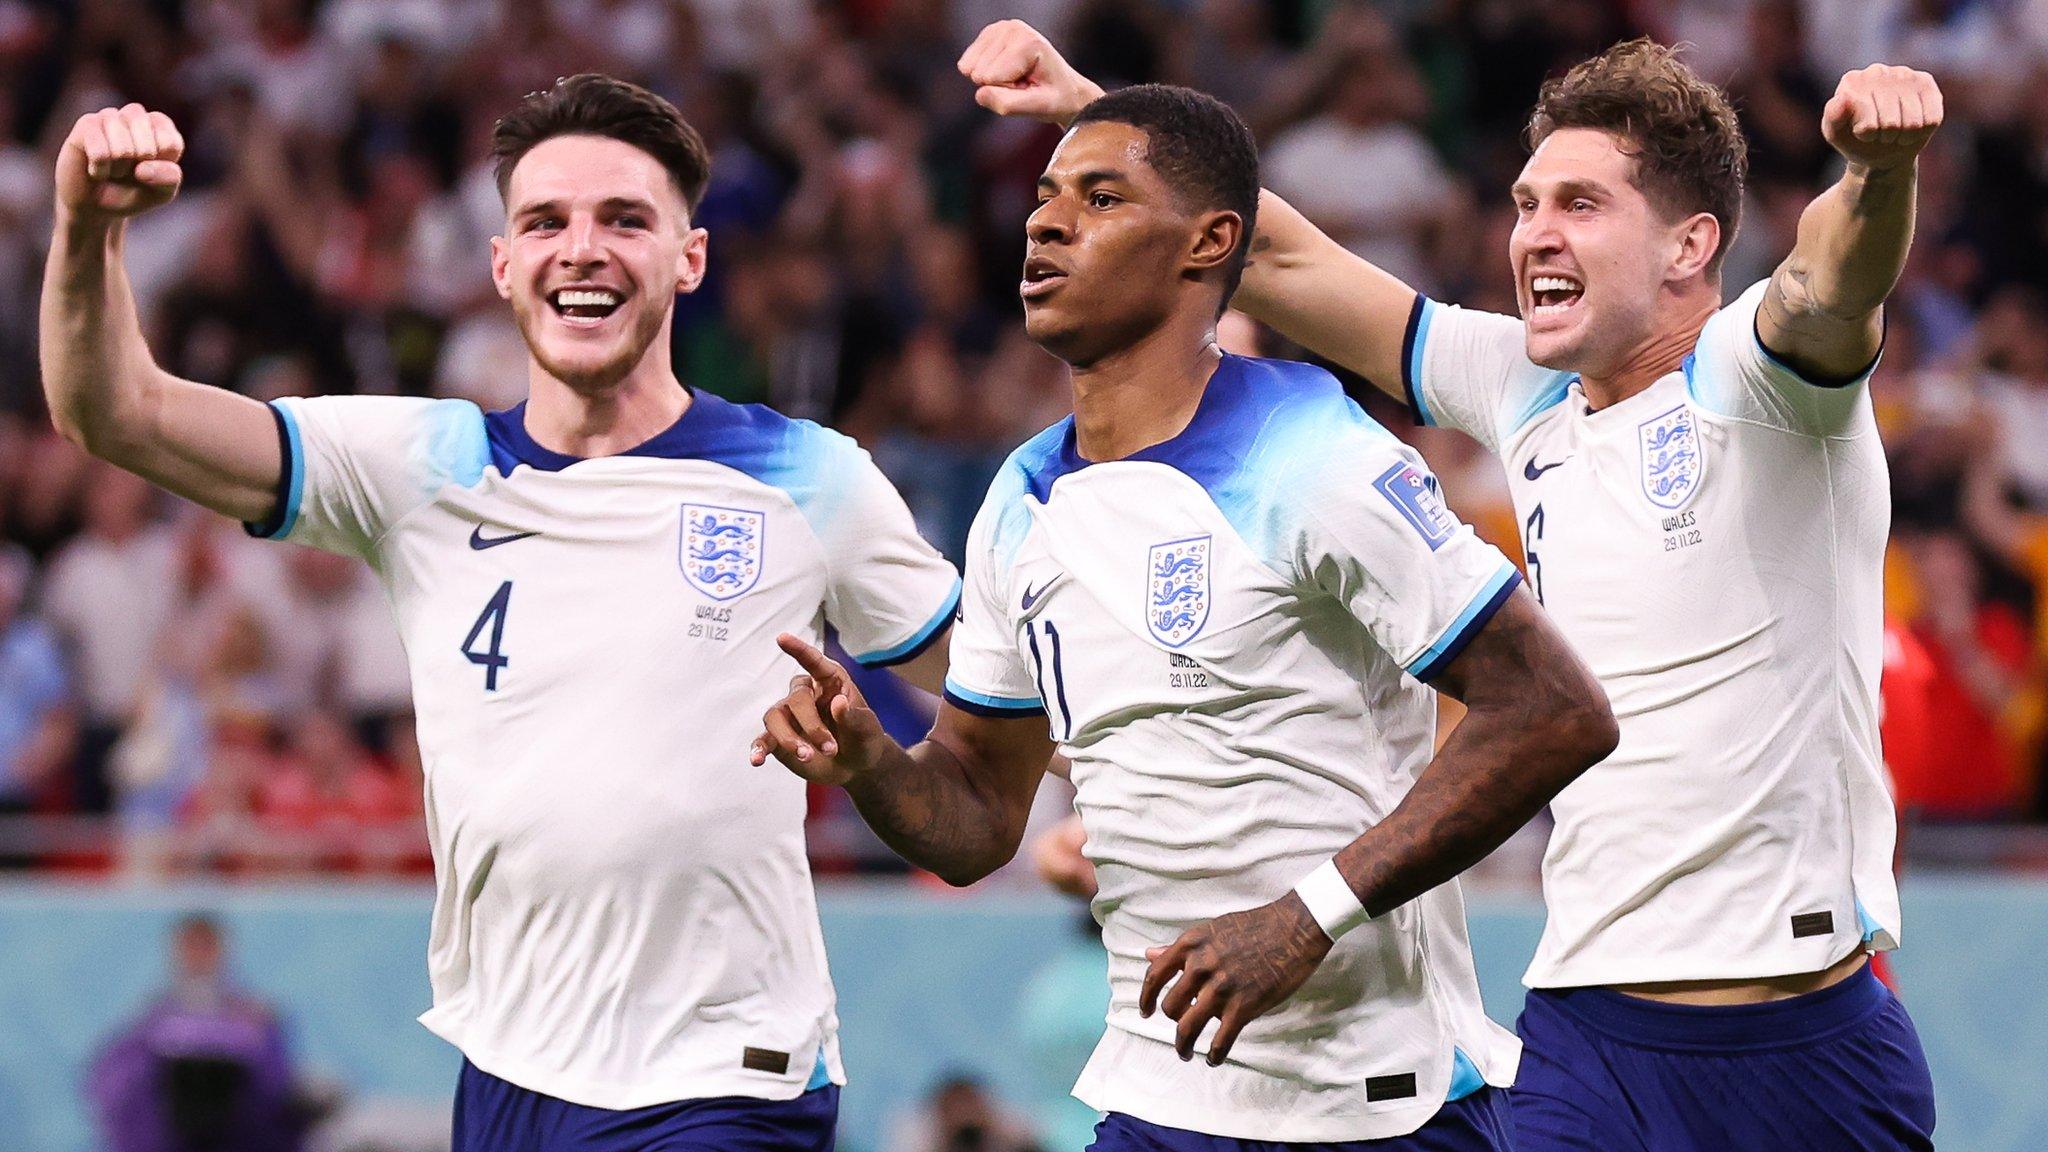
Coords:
1017,72
119,162
1882,116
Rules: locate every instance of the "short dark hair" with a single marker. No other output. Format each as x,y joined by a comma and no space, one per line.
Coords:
1689,152
1202,149
589,104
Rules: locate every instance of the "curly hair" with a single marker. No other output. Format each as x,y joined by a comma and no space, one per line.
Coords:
589,104
1689,150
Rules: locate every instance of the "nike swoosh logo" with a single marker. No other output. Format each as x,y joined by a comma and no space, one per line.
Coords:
1031,597
478,541
1531,472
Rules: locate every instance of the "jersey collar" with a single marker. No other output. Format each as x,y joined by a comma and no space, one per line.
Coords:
695,434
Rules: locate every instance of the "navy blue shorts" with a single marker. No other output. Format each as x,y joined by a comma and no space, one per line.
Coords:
1477,1123
492,1115
1838,1070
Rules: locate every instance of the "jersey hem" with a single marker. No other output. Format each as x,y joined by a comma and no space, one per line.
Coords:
291,479
702,1084
920,641
1660,969
1264,1125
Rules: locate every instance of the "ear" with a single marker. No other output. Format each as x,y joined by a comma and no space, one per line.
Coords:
691,264
1697,239
1220,232
501,266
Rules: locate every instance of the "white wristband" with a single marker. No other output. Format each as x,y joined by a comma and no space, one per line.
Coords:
1331,901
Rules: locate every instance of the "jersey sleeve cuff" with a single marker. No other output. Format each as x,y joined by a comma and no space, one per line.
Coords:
1832,383
1412,345
998,707
291,479
1478,611
919,640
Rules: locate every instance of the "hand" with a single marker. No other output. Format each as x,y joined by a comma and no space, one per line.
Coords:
117,163
1061,862
1020,73
1882,116
823,730
1232,969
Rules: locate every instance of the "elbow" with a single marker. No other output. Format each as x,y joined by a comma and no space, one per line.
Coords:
969,872
1589,731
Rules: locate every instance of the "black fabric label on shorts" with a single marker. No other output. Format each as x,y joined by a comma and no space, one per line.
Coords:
765,1060
1813,924
1379,1088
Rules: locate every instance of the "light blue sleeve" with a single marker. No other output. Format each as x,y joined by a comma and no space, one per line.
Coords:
1732,374
1466,370
1375,533
890,594
986,672
355,465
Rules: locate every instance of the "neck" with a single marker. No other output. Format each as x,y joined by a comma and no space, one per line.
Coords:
1144,394
1660,353
624,416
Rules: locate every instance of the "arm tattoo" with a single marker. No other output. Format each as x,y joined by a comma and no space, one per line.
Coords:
1536,719
938,813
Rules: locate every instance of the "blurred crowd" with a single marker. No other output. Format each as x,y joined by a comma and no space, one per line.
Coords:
243,706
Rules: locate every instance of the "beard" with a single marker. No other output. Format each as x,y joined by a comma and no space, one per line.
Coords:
586,377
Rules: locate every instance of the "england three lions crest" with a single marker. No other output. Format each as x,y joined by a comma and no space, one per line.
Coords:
1177,590
1673,462
721,549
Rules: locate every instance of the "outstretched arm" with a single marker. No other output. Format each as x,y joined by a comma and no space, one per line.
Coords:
1299,281
955,804
1535,719
1823,312
105,391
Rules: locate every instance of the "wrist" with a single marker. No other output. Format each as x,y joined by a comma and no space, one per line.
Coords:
1089,92
1335,908
79,230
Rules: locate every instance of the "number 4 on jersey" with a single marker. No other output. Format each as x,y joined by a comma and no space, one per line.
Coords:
492,658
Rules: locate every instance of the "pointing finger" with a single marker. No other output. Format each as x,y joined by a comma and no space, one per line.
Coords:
813,661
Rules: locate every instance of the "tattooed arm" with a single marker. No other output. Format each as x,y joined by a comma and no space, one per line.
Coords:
1823,311
1535,719
955,804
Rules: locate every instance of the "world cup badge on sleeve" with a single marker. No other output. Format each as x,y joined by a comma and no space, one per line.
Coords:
1673,464
1177,590
721,549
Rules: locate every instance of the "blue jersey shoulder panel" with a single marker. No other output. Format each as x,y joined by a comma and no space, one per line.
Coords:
1258,424
797,456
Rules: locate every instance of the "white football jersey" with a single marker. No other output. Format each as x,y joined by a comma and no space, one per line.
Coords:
1714,547
1230,635
623,913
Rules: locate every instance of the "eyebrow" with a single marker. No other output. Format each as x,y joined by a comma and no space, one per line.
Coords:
1575,187
1088,179
612,203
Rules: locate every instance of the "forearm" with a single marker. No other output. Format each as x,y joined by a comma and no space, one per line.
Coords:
97,370
1852,244
936,812
1488,781
1310,289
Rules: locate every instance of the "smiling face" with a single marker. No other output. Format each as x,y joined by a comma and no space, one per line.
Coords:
1111,254
1593,256
597,244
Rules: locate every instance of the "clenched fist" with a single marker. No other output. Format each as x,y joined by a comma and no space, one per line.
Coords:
1882,116
119,162
1019,73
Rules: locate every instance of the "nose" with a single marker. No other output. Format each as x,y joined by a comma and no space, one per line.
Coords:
580,247
1050,224
1538,232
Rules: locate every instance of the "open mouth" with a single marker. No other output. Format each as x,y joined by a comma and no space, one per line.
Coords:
1554,295
1040,276
585,307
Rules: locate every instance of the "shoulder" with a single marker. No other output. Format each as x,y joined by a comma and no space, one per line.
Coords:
781,451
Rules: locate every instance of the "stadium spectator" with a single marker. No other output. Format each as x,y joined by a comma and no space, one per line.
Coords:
206,1068
962,1115
38,726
